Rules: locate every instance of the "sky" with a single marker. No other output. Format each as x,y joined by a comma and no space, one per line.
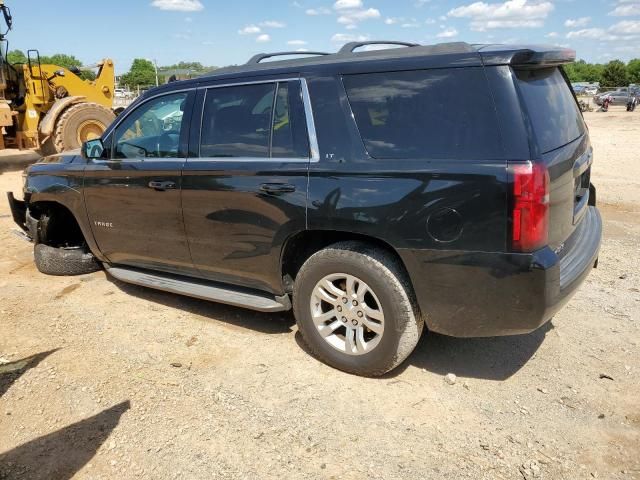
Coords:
221,33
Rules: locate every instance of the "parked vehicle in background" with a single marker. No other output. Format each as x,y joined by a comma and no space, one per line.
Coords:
617,97
48,107
346,187
122,93
579,89
590,90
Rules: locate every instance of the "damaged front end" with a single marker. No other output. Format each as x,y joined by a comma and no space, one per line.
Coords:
21,217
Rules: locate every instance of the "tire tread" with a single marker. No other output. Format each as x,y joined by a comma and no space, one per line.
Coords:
63,261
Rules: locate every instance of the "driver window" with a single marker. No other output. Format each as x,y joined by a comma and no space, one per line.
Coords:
152,130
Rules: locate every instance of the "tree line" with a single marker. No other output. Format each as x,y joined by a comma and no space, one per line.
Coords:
60,59
613,74
141,74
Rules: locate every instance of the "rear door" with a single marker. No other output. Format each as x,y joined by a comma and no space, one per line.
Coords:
133,196
561,142
244,187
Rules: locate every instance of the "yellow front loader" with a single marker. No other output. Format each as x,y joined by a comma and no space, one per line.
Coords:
51,108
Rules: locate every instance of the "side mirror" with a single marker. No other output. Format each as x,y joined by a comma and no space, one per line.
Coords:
92,149
59,73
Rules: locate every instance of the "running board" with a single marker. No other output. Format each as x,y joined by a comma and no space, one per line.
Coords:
201,289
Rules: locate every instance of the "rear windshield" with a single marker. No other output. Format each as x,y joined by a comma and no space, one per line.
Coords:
551,106
425,114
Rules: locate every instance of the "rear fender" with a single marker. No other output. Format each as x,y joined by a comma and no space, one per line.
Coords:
49,121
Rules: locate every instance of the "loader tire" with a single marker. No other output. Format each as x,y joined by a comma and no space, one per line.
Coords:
77,124
64,261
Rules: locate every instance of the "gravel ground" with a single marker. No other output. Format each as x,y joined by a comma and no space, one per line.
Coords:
103,380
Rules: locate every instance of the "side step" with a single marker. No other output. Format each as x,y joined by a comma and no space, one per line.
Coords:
201,289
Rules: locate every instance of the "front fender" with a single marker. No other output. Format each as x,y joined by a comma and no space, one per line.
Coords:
61,184
18,211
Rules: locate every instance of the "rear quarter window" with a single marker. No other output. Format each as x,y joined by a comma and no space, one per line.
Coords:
551,107
425,114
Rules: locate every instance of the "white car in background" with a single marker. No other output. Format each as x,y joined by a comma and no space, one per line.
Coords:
122,93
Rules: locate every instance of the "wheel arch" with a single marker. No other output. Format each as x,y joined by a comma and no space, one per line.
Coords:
66,225
301,245
39,205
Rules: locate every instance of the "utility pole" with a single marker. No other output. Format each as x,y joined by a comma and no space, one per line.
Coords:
155,64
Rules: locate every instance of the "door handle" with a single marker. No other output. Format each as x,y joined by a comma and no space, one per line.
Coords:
277,188
162,186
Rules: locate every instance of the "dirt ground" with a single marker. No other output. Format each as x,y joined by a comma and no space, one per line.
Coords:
103,380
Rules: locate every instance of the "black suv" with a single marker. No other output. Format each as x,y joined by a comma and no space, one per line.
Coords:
372,192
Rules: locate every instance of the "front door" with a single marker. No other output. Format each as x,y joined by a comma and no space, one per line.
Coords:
245,191
133,195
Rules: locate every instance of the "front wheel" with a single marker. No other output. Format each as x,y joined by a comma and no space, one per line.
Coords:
64,260
355,309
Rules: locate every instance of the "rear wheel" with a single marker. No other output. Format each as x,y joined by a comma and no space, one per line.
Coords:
76,125
355,309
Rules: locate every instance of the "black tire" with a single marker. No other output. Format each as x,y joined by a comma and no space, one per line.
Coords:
64,261
76,124
386,277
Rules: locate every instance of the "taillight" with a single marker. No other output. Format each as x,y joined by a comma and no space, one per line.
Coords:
530,214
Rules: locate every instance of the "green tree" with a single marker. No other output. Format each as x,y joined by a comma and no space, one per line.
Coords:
582,71
615,74
572,72
142,73
70,62
62,60
16,56
633,70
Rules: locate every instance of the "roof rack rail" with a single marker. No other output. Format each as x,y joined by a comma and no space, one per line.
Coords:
351,46
262,56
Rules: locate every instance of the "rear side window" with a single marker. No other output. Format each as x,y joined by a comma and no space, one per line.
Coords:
551,107
290,138
255,121
439,114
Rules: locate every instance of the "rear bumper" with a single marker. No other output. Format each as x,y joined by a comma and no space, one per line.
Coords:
478,294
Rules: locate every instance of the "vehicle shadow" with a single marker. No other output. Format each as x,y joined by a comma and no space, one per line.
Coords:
59,455
490,358
10,372
272,323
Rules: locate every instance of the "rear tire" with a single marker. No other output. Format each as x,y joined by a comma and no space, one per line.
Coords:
77,124
64,261
389,309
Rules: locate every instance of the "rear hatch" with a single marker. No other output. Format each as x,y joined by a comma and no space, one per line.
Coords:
560,142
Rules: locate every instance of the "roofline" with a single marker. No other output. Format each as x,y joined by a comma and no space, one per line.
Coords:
525,56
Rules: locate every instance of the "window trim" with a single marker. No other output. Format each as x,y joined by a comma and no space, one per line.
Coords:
314,151
114,126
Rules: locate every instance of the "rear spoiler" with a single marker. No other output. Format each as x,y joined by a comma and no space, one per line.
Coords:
537,56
